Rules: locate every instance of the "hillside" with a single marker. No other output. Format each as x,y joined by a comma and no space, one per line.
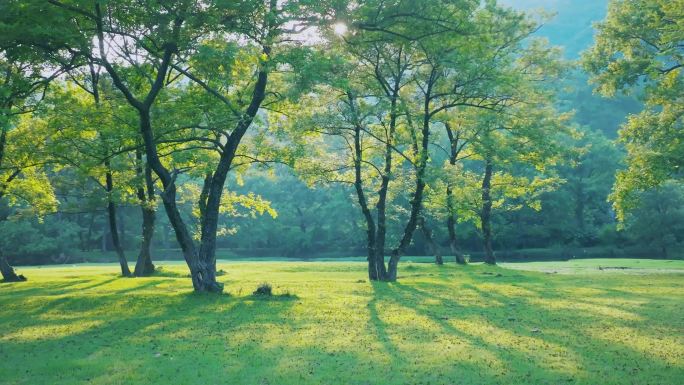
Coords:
572,25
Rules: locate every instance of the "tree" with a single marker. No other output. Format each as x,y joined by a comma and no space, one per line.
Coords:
411,67
23,182
516,145
157,41
22,85
90,134
520,74
588,180
638,48
658,219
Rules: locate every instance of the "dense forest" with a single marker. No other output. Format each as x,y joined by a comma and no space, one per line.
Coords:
305,129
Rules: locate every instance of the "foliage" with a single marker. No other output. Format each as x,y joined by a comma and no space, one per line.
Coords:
658,219
29,240
417,79
263,289
638,48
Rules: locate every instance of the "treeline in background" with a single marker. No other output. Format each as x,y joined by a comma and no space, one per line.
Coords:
528,174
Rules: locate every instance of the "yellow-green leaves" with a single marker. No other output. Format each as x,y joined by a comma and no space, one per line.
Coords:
638,49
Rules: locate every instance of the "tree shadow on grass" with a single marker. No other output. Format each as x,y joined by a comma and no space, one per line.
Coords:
517,337
84,337
451,327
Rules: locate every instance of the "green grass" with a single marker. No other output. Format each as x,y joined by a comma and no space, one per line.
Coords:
449,325
602,266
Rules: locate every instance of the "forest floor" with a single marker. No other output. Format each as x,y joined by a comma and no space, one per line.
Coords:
326,324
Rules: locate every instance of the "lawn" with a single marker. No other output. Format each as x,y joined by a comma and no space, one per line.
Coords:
328,325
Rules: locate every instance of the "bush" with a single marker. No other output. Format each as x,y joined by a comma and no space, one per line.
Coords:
263,289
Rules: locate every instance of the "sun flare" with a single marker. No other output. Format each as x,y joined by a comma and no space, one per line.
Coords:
340,29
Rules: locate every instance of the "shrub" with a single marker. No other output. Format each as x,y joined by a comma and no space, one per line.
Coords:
264,289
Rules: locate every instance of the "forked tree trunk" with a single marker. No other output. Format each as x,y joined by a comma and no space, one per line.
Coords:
382,272
422,153
376,263
486,214
201,279
455,146
144,266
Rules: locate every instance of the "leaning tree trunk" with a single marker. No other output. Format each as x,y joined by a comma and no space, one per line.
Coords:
113,228
144,266
486,214
209,224
422,153
432,245
200,281
410,228
8,273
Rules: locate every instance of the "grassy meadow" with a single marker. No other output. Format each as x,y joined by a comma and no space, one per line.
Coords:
537,323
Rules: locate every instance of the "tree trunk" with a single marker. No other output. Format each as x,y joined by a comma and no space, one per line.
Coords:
409,229
485,215
376,263
432,245
455,147
453,241
381,207
202,278
8,273
422,153
384,273
451,227
144,266
113,228
209,226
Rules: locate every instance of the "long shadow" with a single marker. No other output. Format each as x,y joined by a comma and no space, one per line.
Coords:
498,318
154,336
119,322
124,335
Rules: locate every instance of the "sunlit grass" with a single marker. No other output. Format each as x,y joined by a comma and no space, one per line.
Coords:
448,325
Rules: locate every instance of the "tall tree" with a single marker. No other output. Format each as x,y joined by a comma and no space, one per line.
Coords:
412,66
638,48
23,182
92,133
151,41
22,86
